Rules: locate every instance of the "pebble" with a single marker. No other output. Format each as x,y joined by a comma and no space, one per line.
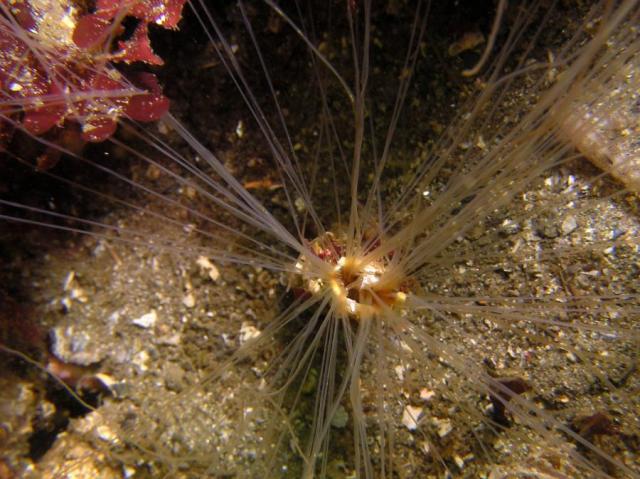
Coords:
141,361
146,320
569,224
571,357
76,347
79,295
426,394
547,228
444,426
128,472
209,267
509,227
114,317
105,433
410,417
426,447
170,339
189,300
247,332
107,380
75,292
68,280
174,377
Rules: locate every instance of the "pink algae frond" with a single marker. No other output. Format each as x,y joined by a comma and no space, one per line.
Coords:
57,65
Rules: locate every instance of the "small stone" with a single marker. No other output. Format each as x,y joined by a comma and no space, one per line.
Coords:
410,417
426,394
240,129
548,229
105,433
68,280
79,295
66,304
76,347
170,339
107,380
209,267
141,360
189,300
128,472
174,377
46,411
121,390
569,224
248,332
146,320
509,227
426,447
444,426
114,317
